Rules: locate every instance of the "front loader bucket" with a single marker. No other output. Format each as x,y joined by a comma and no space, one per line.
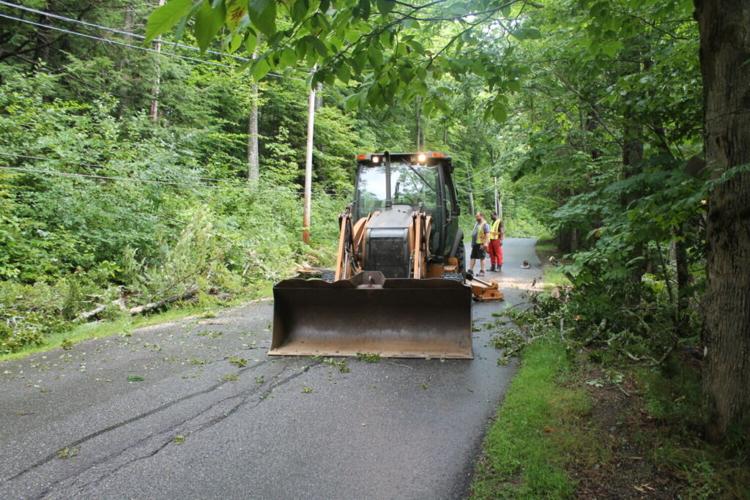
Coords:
395,318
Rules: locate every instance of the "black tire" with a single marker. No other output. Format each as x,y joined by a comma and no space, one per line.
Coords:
461,256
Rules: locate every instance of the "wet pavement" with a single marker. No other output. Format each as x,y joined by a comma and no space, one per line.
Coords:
195,409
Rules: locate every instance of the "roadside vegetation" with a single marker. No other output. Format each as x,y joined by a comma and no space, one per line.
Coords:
586,418
108,213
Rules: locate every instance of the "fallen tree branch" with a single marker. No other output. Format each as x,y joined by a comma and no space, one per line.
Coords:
87,315
151,306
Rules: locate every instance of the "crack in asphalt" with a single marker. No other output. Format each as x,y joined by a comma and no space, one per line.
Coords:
244,399
128,421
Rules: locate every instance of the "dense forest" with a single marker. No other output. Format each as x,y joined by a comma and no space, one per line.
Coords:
131,170
128,175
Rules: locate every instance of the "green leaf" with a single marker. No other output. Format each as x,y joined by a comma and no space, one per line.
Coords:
165,17
250,43
288,57
363,9
299,10
385,6
320,47
236,10
263,15
375,55
343,73
235,43
527,33
208,22
260,69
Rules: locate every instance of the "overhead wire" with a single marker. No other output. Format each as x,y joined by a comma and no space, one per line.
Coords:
58,173
129,34
124,45
110,29
112,41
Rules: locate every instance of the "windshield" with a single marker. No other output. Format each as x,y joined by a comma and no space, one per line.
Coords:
414,185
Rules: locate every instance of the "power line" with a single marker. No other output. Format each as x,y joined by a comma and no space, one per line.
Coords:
58,173
111,41
86,165
129,34
113,30
88,176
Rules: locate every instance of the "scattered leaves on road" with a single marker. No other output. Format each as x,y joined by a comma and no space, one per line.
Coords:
230,377
135,378
179,439
368,357
260,379
66,344
306,390
340,364
237,361
212,334
67,452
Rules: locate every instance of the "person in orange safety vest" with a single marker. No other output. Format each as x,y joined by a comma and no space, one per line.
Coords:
496,243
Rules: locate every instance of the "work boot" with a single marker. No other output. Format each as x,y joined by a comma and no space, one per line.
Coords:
499,268
492,268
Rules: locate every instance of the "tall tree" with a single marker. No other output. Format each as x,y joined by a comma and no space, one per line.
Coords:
725,65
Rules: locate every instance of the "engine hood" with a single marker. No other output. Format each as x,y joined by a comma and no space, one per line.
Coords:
397,217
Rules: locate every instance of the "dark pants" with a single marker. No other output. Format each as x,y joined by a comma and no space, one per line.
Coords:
477,251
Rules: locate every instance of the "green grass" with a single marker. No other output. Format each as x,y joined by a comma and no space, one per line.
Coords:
525,450
125,324
554,277
546,247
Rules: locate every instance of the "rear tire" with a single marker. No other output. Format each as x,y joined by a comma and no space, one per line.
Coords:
461,256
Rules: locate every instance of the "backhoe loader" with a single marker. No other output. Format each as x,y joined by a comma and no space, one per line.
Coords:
398,288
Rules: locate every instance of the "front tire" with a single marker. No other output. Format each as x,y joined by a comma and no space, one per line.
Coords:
461,256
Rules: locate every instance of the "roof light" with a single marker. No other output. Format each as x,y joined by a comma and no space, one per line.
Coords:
376,159
421,157
438,155
361,157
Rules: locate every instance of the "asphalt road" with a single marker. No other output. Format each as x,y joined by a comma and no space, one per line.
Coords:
163,413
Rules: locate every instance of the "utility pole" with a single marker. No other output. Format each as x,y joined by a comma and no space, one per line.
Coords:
308,167
157,79
318,96
499,201
253,167
471,193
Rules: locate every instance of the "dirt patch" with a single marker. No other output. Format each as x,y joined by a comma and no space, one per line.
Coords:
620,425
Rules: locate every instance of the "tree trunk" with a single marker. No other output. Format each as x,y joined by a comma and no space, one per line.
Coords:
253,163
724,53
632,159
683,281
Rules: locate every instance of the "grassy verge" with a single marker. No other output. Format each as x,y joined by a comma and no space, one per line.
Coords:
125,323
573,428
579,422
553,275
535,432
